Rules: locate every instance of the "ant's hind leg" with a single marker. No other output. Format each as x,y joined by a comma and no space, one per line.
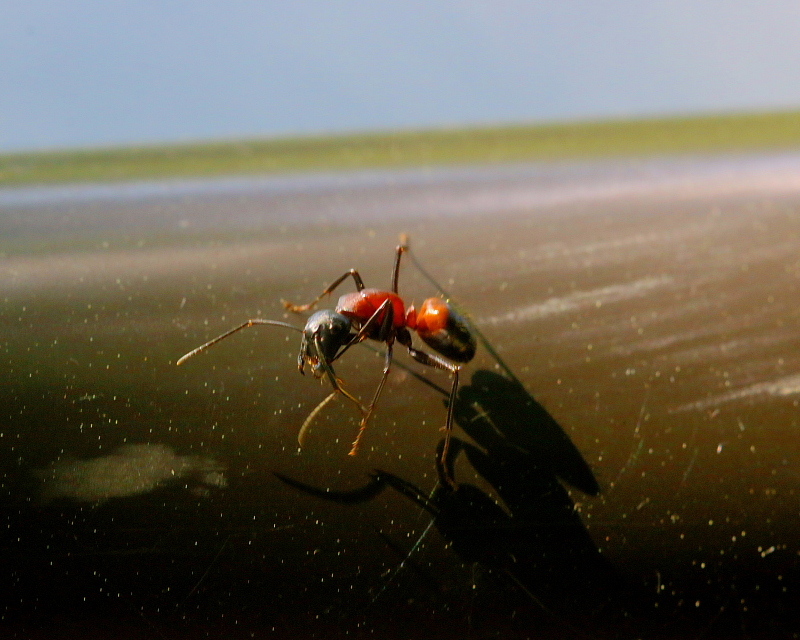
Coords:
440,363
298,308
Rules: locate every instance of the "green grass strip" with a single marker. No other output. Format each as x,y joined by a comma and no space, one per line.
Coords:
582,140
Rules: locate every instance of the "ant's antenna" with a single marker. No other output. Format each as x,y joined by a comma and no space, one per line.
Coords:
249,323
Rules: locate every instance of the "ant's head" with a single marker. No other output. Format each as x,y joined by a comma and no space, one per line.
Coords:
324,334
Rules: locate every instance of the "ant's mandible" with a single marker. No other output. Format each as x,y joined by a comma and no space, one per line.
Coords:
378,315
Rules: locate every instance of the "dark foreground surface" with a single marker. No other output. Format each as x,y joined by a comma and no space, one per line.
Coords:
649,311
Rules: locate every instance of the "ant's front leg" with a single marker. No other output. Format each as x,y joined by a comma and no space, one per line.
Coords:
299,308
336,383
331,375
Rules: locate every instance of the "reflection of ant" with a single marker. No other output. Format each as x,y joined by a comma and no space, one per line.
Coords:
377,315
536,539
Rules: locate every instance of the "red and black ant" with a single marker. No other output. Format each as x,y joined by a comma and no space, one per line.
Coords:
378,315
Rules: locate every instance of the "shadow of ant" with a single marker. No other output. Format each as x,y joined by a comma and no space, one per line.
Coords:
538,540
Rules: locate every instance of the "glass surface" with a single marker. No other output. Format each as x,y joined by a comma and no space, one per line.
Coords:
631,473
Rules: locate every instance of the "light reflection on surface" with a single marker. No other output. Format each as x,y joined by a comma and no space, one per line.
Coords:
131,470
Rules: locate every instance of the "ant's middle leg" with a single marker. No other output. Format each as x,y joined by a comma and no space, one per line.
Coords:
298,308
387,364
385,315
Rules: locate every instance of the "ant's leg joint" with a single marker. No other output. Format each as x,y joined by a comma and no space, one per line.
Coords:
299,308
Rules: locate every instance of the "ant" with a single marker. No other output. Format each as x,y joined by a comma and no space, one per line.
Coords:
381,316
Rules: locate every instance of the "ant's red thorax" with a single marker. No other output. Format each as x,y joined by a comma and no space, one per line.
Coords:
361,305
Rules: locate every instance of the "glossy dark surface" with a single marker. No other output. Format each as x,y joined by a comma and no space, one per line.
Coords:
650,312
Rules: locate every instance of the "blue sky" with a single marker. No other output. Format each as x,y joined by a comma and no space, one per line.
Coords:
98,73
